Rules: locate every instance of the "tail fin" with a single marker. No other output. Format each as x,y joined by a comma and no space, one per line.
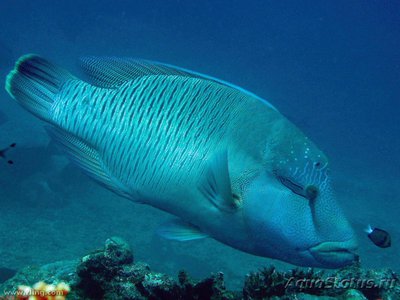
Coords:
34,82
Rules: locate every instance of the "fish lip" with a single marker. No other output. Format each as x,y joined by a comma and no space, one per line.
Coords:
335,254
326,247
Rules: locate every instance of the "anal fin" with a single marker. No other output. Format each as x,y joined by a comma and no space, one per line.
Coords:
88,159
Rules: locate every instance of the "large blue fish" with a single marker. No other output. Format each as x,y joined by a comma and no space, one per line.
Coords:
225,162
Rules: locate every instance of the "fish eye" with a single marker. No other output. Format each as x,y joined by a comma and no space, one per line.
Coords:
311,192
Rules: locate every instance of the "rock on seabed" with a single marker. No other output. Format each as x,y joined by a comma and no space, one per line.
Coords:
111,273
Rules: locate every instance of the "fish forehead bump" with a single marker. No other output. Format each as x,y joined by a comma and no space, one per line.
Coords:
289,147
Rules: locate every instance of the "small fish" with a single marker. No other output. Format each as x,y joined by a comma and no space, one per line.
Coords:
3,153
379,237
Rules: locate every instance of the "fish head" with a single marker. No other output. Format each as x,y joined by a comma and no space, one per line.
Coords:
291,211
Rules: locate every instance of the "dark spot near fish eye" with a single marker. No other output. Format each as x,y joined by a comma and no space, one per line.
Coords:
10,162
311,192
317,164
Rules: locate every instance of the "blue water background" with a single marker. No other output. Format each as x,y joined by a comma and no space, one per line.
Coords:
332,67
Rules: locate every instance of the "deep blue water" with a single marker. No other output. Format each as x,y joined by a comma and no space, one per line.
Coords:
332,67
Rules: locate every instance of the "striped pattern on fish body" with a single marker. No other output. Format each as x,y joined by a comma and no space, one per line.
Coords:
154,132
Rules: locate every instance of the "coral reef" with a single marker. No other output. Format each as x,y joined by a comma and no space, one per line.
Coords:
43,291
111,273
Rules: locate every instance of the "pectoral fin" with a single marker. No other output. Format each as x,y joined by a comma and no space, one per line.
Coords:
216,185
179,230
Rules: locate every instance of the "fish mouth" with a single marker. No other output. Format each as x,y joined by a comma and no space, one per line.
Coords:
335,254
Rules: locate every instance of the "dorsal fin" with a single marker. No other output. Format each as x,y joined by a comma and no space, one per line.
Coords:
111,72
